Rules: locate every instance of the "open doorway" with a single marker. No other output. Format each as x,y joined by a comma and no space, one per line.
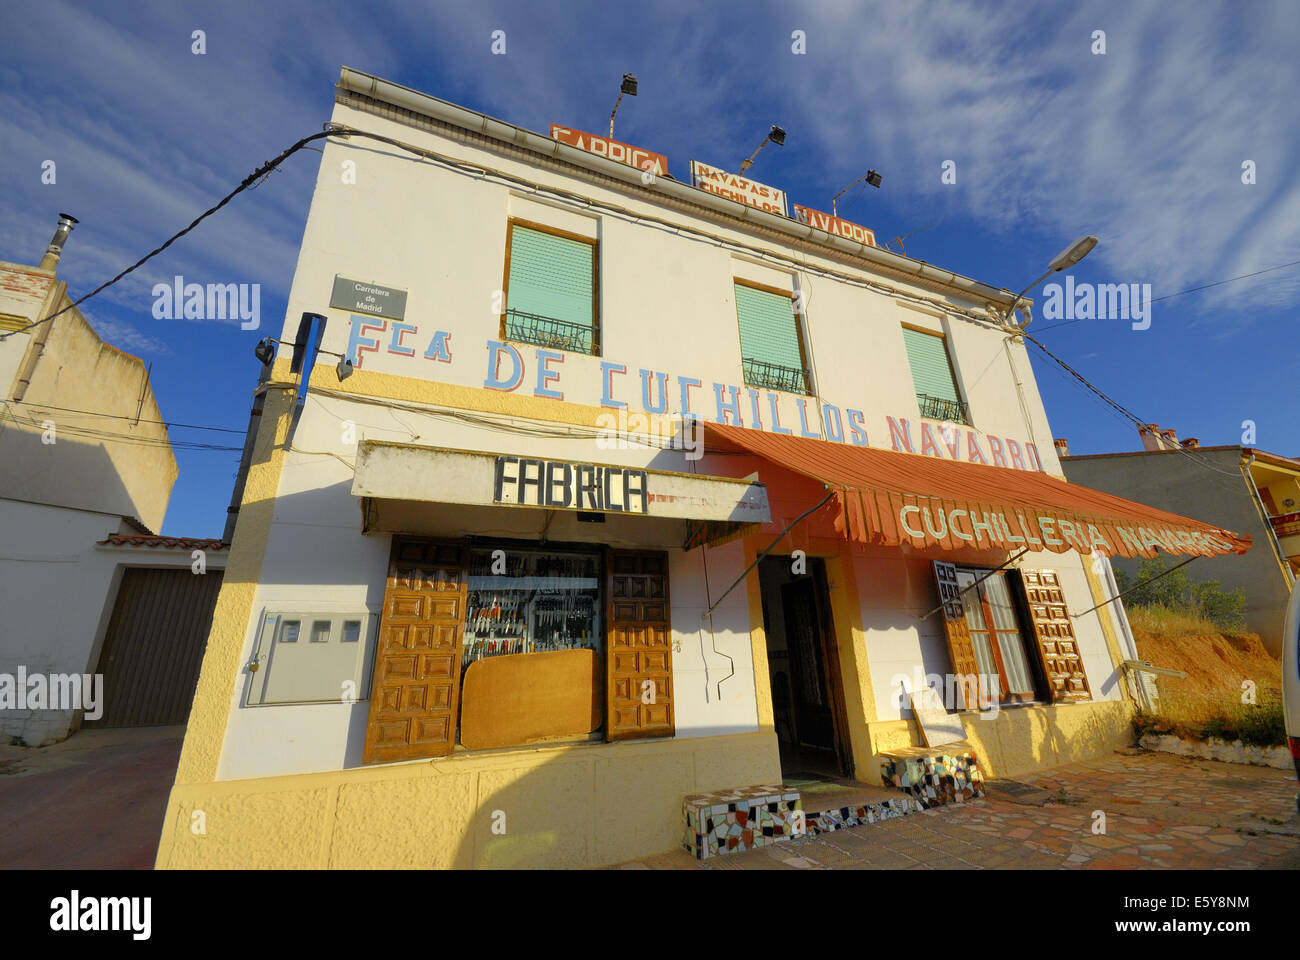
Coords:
803,667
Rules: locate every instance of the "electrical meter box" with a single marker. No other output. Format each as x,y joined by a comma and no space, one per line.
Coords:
311,658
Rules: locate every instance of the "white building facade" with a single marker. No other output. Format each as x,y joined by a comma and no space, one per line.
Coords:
633,491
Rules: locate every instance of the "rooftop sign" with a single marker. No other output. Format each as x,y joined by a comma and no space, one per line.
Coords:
735,187
834,225
644,160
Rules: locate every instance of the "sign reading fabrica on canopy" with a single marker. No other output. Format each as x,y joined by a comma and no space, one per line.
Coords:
735,187
644,160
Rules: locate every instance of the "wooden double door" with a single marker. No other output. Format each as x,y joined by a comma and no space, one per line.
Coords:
416,685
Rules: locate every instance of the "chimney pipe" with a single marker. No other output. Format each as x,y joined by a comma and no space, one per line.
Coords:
1150,436
1191,443
1170,438
52,253
1062,448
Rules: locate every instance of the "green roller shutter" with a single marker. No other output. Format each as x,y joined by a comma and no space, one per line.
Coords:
931,371
549,294
768,335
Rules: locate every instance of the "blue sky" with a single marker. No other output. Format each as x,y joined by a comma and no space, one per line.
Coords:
1142,146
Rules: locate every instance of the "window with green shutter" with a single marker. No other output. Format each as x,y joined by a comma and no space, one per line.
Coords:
770,348
936,387
550,289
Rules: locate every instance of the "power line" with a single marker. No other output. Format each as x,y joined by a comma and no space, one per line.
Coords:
1204,286
245,184
114,416
94,433
1124,411
1217,283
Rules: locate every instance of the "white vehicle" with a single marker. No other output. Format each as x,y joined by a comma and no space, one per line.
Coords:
1291,679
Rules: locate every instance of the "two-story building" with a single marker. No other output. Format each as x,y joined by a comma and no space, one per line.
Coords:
579,488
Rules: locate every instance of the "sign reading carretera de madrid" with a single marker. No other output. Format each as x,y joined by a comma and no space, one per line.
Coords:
644,160
735,187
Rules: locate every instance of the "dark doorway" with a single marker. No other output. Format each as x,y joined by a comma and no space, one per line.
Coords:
807,700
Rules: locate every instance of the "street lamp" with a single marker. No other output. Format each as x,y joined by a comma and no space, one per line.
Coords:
775,135
870,176
628,87
1068,257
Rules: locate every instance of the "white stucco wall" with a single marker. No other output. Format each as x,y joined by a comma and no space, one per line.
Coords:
57,589
666,298
317,559
666,305
897,592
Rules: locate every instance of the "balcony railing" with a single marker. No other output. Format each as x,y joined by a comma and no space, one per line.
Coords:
938,408
1287,525
549,332
773,376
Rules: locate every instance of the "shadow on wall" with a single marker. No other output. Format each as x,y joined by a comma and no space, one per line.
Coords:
545,819
67,473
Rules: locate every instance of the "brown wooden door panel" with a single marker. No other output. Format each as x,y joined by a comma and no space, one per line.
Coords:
961,647
414,693
1054,631
639,648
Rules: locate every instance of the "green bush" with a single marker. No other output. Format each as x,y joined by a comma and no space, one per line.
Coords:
1226,609
1261,725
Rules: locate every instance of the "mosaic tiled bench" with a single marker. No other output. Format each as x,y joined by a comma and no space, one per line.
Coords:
746,818
933,776
855,816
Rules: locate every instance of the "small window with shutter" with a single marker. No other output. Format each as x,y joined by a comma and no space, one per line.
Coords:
771,344
932,375
550,289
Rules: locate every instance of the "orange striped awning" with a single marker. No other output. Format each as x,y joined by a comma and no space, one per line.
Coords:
890,498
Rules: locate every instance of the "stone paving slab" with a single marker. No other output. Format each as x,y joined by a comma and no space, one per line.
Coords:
1160,812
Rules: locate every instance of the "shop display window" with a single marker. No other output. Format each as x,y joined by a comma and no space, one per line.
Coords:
531,601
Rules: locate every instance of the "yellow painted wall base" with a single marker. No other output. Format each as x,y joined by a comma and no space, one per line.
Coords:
1025,739
573,806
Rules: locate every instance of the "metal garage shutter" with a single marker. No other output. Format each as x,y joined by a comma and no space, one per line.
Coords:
154,646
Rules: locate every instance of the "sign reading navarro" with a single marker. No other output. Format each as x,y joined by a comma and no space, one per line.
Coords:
644,160
831,224
735,187
578,486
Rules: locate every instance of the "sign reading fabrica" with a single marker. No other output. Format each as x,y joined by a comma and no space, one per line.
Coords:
644,160
531,482
735,187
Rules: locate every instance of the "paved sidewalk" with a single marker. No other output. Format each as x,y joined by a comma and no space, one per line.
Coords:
1161,812
95,801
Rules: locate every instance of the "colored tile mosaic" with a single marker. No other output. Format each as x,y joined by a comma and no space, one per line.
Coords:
935,779
841,817
745,818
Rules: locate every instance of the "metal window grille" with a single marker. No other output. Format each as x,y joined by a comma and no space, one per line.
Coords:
939,408
548,332
773,376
